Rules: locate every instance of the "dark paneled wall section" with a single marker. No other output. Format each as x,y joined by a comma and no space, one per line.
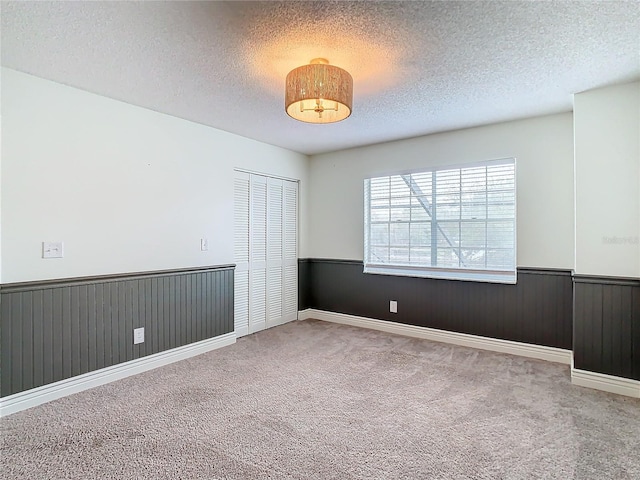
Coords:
55,330
536,310
606,329
602,327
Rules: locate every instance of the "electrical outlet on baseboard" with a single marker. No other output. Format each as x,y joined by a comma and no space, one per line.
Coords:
393,306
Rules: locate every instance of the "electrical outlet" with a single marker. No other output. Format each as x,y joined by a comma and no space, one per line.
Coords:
393,306
138,335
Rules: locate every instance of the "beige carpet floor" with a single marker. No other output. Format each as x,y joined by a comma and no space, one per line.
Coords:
315,400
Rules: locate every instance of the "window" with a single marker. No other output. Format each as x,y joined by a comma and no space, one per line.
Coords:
454,223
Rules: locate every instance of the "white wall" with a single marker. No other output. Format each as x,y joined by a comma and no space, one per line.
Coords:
126,189
607,179
543,148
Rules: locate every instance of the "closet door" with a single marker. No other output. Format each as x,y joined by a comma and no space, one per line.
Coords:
265,252
258,254
274,252
290,251
241,213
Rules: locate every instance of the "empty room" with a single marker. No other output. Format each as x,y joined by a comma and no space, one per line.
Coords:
320,240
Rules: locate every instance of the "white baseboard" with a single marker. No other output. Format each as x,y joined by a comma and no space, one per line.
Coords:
46,393
549,354
607,383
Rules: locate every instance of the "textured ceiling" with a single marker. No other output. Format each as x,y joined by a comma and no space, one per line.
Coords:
418,67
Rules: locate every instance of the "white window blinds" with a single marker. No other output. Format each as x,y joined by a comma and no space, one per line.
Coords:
456,223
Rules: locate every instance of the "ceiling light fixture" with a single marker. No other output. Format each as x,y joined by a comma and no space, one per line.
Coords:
318,93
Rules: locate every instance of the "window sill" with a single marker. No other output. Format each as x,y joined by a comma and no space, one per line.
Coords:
444,274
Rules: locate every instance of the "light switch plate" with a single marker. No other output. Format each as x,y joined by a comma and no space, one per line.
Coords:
138,335
52,249
204,244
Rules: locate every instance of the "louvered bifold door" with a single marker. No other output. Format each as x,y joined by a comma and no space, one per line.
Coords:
241,252
258,254
290,251
274,252
265,252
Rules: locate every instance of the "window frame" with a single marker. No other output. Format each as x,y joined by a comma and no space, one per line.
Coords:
491,275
